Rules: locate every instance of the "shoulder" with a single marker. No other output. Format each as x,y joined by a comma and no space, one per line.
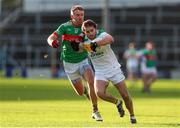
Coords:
127,50
154,51
66,24
143,51
101,33
64,27
101,30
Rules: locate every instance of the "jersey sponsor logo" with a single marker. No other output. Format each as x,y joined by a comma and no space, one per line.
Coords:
96,55
76,30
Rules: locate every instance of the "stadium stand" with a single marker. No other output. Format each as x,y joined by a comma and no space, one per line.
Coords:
25,36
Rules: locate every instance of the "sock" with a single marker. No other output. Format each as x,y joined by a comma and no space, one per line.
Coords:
95,108
117,102
132,117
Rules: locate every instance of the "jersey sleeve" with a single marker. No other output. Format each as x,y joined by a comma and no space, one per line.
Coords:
103,34
100,36
141,52
60,30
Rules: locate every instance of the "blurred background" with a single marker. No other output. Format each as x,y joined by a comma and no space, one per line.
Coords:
26,24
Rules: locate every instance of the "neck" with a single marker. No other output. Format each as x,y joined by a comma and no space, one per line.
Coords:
76,24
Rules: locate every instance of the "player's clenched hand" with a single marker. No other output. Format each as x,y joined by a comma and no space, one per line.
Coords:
93,46
90,46
55,43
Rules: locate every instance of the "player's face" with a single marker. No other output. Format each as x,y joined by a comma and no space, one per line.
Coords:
131,46
149,46
90,32
78,17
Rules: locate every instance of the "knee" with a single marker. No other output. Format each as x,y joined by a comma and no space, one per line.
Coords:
91,84
100,94
126,97
80,93
79,90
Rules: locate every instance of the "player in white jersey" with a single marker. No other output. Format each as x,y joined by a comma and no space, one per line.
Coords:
106,66
131,56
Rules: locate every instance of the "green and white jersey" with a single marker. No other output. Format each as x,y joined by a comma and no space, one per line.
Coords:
149,58
69,34
104,59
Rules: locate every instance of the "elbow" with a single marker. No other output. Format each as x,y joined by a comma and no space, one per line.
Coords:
111,40
49,41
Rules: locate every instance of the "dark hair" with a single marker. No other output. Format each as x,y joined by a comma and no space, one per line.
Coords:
88,23
76,7
132,44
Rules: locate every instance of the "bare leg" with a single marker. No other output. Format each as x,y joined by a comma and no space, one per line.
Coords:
121,87
100,88
89,77
152,78
78,86
145,82
148,79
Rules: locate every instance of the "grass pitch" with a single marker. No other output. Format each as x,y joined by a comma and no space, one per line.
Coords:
53,103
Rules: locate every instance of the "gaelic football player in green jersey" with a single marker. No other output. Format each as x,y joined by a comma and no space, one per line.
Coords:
75,63
106,66
148,66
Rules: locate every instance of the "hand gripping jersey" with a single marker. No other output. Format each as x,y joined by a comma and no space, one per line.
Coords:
104,59
69,35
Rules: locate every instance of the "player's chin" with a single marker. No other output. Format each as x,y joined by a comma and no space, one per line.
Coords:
91,37
80,21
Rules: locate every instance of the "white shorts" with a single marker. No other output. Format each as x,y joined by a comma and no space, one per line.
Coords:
76,70
132,66
147,70
115,76
133,69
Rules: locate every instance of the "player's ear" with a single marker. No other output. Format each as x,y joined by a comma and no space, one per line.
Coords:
71,17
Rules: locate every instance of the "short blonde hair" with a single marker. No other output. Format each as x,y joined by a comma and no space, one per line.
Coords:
76,7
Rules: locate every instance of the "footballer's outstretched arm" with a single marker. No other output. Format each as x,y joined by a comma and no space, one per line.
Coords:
52,40
105,39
